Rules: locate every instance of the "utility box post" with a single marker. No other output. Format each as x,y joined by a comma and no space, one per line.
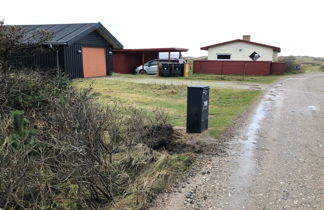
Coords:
197,108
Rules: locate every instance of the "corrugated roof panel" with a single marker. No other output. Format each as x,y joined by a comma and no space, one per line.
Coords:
76,32
68,33
28,29
31,29
56,30
45,27
62,30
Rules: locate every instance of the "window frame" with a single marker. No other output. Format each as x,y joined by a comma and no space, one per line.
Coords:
224,54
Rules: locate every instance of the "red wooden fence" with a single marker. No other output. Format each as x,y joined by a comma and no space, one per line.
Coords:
277,68
237,67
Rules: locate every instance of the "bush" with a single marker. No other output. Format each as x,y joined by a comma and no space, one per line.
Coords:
30,91
13,41
59,150
291,66
322,68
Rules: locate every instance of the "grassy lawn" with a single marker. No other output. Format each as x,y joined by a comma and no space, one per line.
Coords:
211,77
225,104
312,67
248,78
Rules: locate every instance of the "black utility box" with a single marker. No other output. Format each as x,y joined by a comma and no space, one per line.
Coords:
166,70
197,108
177,70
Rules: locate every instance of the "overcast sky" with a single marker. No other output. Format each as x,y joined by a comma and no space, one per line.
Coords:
296,26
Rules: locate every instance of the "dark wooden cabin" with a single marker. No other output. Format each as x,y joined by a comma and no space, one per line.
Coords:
79,50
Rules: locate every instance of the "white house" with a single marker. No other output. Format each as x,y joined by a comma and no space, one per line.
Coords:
242,50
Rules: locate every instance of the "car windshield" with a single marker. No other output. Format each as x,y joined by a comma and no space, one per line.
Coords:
152,62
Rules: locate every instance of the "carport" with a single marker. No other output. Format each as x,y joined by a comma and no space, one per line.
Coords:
126,60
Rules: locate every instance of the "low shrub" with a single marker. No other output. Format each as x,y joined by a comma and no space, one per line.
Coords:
60,150
291,66
29,90
322,68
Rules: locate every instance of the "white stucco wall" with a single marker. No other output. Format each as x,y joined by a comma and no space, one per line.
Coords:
241,51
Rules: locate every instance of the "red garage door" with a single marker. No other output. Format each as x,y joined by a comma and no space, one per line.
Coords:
94,62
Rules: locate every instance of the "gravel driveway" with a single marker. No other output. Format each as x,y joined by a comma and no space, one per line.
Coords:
169,81
275,157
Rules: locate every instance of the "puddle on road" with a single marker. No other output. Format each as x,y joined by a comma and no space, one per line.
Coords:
246,160
294,78
244,173
312,108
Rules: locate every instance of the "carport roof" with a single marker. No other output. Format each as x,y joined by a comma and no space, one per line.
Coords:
171,49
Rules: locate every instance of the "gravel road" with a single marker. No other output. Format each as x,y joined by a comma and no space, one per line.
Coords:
169,81
275,156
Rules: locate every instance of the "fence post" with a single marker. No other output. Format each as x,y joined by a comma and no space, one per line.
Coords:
222,67
244,71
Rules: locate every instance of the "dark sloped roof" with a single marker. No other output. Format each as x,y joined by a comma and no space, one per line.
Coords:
241,40
67,34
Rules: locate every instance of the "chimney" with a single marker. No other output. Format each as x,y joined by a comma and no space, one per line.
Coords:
247,37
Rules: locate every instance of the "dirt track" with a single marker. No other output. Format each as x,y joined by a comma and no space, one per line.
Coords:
276,157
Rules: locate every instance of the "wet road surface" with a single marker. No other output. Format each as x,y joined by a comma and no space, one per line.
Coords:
275,158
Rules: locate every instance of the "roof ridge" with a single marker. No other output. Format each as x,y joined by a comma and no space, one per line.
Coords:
241,40
52,24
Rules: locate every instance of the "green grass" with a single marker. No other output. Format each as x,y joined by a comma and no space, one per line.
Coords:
322,68
225,104
248,78
210,77
312,67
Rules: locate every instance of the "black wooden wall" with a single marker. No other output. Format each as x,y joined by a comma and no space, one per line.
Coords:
70,57
73,54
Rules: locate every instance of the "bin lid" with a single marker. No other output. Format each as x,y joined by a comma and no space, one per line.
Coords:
198,86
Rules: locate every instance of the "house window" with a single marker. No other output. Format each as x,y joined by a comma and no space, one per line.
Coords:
223,56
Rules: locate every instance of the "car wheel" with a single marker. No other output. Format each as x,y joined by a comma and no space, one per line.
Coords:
142,71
